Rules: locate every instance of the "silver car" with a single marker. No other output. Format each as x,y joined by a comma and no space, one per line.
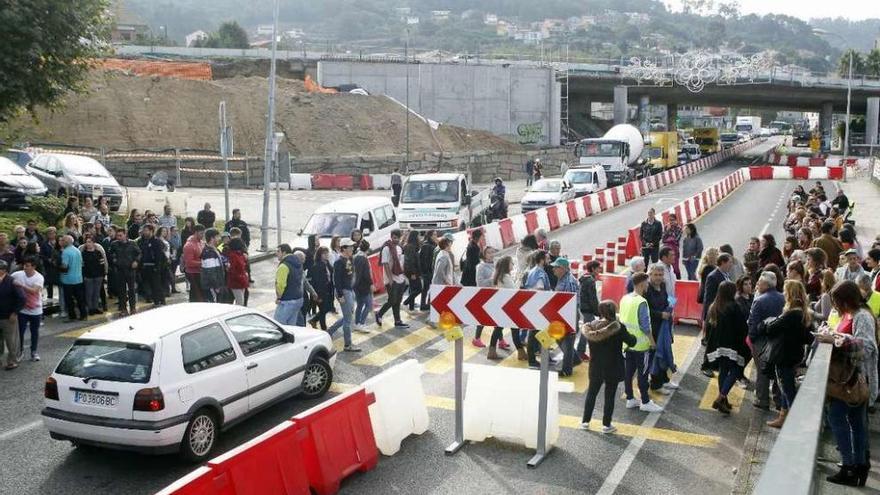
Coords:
82,176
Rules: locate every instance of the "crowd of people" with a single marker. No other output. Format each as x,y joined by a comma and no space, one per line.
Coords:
92,261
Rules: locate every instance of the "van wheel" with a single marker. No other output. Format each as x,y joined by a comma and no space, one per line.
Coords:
200,436
317,378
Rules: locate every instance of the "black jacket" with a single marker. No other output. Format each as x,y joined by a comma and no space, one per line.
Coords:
658,302
152,251
206,218
343,272
471,260
93,264
710,289
322,281
650,234
11,298
589,299
123,253
411,260
606,350
729,332
243,226
426,258
795,335
363,276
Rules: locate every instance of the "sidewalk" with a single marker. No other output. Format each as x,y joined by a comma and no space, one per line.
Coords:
866,196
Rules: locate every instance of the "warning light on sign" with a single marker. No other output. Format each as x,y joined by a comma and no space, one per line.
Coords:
556,330
447,321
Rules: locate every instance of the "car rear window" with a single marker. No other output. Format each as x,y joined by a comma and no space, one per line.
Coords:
107,360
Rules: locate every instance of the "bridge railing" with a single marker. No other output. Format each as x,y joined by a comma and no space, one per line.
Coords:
791,465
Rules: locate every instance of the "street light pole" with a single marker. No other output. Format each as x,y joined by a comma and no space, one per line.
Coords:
406,63
270,127
848,104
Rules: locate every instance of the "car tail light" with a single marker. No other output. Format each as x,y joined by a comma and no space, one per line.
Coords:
149,399
50,390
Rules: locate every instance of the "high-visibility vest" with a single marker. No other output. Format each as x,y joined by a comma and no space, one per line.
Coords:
629,316
874,303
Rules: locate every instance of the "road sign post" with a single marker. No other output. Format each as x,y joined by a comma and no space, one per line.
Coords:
459,442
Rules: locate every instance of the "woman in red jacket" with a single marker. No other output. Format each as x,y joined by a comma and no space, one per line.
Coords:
236,274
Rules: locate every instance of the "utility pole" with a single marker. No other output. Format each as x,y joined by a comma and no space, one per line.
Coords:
270,128
225,147
276,142
406,63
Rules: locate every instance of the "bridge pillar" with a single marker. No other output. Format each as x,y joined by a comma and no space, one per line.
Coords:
825,125
671,116
620,105
872,121
644,114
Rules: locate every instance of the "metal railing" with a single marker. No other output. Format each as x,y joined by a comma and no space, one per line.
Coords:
791,466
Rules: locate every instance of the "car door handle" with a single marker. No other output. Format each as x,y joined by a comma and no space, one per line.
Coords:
251,366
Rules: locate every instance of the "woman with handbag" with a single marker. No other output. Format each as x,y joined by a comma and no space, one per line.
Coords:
791,333
727,342
852,382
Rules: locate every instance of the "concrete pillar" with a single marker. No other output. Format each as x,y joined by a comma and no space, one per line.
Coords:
620,104
671,116
872,121
587,108
825,125
644,114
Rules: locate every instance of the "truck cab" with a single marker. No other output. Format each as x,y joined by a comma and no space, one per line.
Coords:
729,140
443,202
586,180
663,150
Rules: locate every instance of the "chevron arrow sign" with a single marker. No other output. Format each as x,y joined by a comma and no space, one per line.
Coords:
507,308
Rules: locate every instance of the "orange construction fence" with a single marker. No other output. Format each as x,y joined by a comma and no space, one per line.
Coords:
199,71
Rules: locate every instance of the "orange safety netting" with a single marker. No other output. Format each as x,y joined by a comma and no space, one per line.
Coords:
313,87
179,70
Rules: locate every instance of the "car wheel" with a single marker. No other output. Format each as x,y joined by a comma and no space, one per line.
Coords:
200,436
317,378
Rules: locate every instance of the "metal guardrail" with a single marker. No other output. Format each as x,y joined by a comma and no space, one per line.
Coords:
791,466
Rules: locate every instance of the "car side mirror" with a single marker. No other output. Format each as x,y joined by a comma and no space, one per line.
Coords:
289,338
367,232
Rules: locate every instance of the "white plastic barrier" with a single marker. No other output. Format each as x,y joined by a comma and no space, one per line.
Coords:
815,172
284,186
400,409
156,200
781,172
301,181
502,402
381,181
492,232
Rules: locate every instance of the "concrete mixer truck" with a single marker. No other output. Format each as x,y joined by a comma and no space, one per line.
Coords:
619,152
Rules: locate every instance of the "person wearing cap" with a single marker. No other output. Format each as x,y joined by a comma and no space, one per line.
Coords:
343,285
852,270
11,302
565,282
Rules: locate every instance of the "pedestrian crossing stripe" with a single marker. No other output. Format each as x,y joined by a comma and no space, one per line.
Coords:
398,347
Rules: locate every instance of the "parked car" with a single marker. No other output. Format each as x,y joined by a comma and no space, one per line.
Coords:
16,185
73,174
373,215
586,180
134,385
765,132
801,138
546,192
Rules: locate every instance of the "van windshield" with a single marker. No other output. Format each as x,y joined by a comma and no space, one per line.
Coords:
330,224
597,149
431,191
579,176
108,361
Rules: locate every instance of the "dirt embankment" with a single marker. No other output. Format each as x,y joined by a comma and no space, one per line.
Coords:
123,111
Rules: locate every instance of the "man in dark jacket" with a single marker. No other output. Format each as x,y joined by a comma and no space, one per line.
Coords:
769,303
11,302
588,301
206,217
343,279
658,309
152,263
426,266
471,260
213,268
363,288
710,290
830,244
650,234
288,287
237,222
124,257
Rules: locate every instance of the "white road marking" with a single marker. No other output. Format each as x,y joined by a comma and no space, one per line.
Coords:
6,435
614,478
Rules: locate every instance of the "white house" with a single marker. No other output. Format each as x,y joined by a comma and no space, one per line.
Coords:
264,30
194,36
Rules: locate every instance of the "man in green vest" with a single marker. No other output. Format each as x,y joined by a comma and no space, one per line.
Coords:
634,315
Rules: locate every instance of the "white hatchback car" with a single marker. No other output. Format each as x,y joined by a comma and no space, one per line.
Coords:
170,379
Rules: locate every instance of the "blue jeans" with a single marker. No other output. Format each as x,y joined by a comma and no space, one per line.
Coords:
363,308
288,312
728,373
347,316
636,365
691,267
850,431
785,381
34,322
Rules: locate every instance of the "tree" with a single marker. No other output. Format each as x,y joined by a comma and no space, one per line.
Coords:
46,47
858,64
872,63
230,35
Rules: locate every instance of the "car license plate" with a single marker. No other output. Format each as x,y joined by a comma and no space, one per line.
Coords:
97,400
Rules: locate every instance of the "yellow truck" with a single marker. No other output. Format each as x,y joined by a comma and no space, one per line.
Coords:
708,138
663,151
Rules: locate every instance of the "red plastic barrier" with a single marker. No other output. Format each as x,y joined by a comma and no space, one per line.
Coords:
198,482
706,204
613,287
835,173
587,203
531,222
665,217
688,213
687,307
615,198
800,172
621,250
651,184
336,439
506,227
344,182
699,207
717,192
378,274
270,463
322,181
817,162
553,217
603,202
571,208
678,213
643,187
628,193
366,182
633,242
791,160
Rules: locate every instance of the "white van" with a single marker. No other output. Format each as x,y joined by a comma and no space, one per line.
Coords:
586,180
373,215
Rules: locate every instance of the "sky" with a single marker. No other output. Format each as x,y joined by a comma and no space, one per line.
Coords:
806,9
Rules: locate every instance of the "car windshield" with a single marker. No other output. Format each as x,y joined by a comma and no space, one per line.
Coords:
597,149
546,186
744,127
107,360
656,152
431,191
579,176
330,224
85,168
729,137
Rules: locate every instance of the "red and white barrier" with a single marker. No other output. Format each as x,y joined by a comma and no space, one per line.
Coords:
767,172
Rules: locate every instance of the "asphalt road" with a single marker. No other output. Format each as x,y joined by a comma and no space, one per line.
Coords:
688,449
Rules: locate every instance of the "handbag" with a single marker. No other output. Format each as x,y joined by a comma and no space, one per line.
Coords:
768,350
846,382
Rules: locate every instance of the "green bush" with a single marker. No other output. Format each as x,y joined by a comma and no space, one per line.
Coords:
49,208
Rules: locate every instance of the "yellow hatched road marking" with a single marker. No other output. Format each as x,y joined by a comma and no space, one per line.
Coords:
735,397
445,361
398,347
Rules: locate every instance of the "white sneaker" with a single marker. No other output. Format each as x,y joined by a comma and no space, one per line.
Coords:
584,426
362,329
651,407
633,403
35,357
356,328
609,429
670,385
663,391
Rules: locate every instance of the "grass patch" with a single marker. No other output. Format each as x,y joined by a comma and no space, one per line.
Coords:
10,218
